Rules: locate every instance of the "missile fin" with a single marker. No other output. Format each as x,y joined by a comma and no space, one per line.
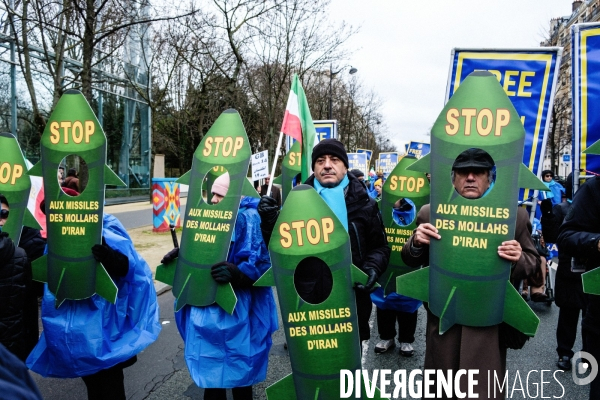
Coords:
36,170
110,178
423,164
518,314
39,268
282,389
358,276
59,296
105,287
528,180
278,180
414,284
185,178
248,190
593,149
448,315
371,392
165,273
267,279
181,297
30,221
226,297
591,281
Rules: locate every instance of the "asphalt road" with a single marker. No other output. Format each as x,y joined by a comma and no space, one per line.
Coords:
161,373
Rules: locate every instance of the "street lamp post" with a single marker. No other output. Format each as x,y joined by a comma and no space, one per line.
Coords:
331,75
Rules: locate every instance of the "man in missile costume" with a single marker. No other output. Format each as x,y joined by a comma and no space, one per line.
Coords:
466,347
225,350
359,214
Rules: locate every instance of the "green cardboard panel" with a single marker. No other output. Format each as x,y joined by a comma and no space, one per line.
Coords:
207,228
400,184
591,281
289,169
314,332
467,278
15,185
74,224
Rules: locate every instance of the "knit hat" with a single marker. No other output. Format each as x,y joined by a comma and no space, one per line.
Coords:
378,182
221,185
332,147
357,173
547,171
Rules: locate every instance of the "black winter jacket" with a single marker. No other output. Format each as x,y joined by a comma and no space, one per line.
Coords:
15,273
578,237
368,240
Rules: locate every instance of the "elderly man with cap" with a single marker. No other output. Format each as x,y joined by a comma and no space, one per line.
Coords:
230,351
466,347
348,199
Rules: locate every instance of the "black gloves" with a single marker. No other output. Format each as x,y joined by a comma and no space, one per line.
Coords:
170,256
546,206
226,272
268,209
370,285
115,263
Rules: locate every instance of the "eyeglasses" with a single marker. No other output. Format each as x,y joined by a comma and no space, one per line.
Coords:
3,214
547,175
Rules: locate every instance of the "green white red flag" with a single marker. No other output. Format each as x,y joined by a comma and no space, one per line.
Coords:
298,123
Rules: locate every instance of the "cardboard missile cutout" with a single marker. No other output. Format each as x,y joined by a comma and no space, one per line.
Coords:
322,338
15,185
467,282
74,224
290,167
413,187
208,228
591,279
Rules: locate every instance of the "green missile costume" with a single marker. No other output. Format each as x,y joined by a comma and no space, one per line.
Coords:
74,224
207,228
15,185
400,184
322,338
467,282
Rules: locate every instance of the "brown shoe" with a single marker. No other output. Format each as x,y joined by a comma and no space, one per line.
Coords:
539,297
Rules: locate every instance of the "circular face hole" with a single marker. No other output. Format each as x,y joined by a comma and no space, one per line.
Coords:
313,280
473,173
215,185
72,175
404,212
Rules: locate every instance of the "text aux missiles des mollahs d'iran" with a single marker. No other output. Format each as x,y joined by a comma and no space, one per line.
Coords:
74,223
411,188
322,338
207,228
15,185
591,279
467,282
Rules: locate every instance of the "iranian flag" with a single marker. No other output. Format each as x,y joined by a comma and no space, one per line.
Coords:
298,124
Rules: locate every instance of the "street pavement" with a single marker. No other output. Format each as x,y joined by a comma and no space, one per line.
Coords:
161,373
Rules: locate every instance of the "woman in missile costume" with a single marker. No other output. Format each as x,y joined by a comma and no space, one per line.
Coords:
93,338
231,351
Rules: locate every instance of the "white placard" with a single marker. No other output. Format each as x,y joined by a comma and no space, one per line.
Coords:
260,165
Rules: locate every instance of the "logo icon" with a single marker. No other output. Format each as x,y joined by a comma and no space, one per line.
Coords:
587,365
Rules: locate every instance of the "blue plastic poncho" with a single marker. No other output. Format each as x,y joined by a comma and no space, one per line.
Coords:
226,351
83,337
555,193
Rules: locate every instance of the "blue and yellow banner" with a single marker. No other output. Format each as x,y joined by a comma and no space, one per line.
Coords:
528,76
585,84
358,161
326,129
418,149
387,163
369,153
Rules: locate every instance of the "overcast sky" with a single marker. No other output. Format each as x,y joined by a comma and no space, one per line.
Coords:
403,48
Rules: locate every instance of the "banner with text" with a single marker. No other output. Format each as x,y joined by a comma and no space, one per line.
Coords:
418,149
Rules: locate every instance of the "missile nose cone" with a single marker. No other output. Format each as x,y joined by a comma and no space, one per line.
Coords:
481,73
230,111
72,91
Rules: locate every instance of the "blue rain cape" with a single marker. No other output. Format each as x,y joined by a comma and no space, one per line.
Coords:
555,193
394,301
83,337
226,351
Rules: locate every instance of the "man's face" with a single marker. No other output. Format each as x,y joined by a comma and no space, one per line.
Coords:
3,214
547,177
216,199
330,170
267,180
471,183
361,178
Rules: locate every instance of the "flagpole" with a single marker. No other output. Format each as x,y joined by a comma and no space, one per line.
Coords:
277,152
